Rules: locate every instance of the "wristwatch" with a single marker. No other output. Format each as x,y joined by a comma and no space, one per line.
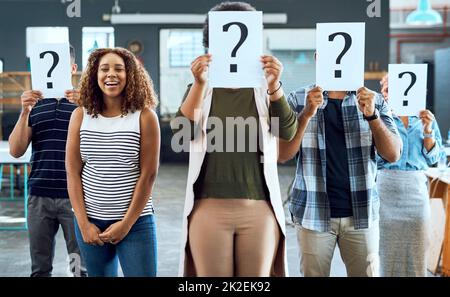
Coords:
372,117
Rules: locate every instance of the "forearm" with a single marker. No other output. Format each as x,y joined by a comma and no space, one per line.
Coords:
180,123
141,195
276,95
75,189
19,138
149,164
281,112
432,150
429,143
193,100
387,143
288,149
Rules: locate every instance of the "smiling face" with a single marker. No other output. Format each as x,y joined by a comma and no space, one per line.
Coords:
111,75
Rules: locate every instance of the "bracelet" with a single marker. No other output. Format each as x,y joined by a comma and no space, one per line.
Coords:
428,135
270,94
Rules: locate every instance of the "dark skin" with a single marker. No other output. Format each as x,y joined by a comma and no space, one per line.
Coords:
199,67
20,137
112,69
388,145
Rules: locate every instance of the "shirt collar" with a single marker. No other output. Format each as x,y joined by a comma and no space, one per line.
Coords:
61,99
398,117
348,93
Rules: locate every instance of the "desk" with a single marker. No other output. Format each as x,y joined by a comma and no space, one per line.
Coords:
439,187
7,159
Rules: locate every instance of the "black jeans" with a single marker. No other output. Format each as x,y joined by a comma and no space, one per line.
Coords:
44,217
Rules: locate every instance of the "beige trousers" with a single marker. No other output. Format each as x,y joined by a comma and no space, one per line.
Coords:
359,249
233,237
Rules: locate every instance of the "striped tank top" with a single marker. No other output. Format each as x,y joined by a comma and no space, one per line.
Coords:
109,148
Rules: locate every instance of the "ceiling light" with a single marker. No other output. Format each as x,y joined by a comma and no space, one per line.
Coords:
424,15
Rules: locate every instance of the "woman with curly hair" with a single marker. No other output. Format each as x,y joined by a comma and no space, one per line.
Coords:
112,159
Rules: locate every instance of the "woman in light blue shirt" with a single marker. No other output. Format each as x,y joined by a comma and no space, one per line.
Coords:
403,192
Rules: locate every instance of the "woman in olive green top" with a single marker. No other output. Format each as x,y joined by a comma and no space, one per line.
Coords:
235,226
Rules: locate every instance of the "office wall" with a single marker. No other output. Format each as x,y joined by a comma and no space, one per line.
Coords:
442,87
16,15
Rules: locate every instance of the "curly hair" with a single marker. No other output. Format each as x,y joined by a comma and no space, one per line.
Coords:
224,6
137,94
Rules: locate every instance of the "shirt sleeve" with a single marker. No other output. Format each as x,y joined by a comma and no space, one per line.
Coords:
287,119
181,124
386,114
437,152
296,100
30,120
388,119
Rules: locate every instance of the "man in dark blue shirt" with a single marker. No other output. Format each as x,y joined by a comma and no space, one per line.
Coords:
334,200
337,173
44,123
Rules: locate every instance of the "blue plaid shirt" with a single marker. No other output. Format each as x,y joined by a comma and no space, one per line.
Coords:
309,206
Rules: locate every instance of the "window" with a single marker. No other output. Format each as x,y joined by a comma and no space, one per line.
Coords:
96,37
184,46
1,65
295,49
177,49
46,35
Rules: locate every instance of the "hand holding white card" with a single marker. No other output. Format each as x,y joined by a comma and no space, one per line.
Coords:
407,88
51,69
235,43
340,56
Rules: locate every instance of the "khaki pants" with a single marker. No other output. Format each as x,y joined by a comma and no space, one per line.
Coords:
233,237
359,249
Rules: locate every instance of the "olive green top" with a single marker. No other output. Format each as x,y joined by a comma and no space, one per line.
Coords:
233,166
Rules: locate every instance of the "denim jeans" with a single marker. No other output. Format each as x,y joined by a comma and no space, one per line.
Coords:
136,252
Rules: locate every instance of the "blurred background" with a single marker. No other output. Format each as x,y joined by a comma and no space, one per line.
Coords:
166,36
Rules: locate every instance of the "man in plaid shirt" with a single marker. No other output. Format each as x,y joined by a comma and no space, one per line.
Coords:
334,198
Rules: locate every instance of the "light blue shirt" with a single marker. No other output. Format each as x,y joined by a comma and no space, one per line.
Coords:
414,154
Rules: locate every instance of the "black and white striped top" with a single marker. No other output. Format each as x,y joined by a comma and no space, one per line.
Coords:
49,121
110,152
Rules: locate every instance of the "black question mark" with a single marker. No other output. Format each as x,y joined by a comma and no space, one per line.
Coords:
348,44
413,81
244,34
55,62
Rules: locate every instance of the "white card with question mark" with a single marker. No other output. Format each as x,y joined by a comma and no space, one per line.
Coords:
235,43
340,56
407,88
51,69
